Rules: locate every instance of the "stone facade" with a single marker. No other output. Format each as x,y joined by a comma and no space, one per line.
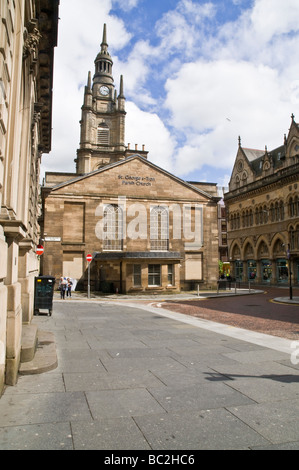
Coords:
263,213
28,34
146,229
163,223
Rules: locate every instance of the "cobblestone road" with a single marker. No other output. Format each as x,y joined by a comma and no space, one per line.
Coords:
256,312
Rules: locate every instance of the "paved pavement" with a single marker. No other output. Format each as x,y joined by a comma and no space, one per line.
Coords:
133,376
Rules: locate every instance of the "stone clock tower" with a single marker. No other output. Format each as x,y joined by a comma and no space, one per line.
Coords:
102,139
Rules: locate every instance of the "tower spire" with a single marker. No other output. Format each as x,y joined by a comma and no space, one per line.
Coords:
103,62
89,81
121,87
103,141
104,41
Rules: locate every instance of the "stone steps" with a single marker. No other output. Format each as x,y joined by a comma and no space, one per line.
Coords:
38,352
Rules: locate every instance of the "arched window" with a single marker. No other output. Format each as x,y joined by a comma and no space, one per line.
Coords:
261,216
281,207
292,235
265,215
277,212
159,229
272,212
232,222
113,228
256,216
103,134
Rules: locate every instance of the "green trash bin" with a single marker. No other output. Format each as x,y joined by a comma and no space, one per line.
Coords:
43,294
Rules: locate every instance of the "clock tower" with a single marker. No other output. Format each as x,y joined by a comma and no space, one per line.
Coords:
103,117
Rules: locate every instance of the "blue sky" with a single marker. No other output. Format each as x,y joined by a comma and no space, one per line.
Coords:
197,74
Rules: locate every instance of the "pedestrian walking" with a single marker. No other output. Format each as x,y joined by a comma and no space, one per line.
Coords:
69,287
63,287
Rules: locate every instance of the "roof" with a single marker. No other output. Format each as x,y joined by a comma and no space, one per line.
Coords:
252,154
145,161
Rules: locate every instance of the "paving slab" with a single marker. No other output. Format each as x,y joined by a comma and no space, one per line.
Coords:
47,436
276,421
36,408
106,434
122,403
212,429
138,377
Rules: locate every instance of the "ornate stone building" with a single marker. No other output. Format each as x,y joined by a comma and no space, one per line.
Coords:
28,34
263,213
146,229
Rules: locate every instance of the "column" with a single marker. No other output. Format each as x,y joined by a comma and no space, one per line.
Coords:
274,272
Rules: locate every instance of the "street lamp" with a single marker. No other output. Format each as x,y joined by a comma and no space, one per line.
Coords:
290,271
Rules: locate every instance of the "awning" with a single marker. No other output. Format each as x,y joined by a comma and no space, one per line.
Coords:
139,255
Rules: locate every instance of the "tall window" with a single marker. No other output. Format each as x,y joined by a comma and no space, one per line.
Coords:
170,274
103,134
137,275
154,275
113,228
159,230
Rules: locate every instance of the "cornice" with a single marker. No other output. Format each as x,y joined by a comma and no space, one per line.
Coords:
282,177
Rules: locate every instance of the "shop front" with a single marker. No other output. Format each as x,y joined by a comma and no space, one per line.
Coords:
238,274
282,271
251,270
266,270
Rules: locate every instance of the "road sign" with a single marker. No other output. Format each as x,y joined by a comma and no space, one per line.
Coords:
39,250
89,258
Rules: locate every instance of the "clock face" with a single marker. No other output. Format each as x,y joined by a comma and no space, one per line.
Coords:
104,90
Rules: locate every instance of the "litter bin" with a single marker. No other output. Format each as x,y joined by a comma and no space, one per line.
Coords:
43,294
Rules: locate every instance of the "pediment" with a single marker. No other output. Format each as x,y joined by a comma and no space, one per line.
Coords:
293,140
242,169
134,177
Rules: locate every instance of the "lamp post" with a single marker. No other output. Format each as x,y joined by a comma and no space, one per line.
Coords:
290,271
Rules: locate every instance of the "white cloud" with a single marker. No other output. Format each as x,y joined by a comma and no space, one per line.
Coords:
273,17
236,81
79,40
181,29
241,79
147,129
221,89
126,5
135,71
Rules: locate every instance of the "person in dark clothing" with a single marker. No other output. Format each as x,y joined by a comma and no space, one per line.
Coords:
63,287
69,287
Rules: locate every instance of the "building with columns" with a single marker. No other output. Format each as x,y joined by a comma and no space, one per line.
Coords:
263,213
28,35
146,229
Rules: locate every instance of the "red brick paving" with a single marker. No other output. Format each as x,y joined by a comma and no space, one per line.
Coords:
256,312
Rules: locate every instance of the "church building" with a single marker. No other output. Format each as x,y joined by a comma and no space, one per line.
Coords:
146,229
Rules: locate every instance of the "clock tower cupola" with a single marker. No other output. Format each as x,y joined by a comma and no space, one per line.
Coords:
103,64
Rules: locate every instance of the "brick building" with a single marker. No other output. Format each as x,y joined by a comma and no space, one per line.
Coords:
146,229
